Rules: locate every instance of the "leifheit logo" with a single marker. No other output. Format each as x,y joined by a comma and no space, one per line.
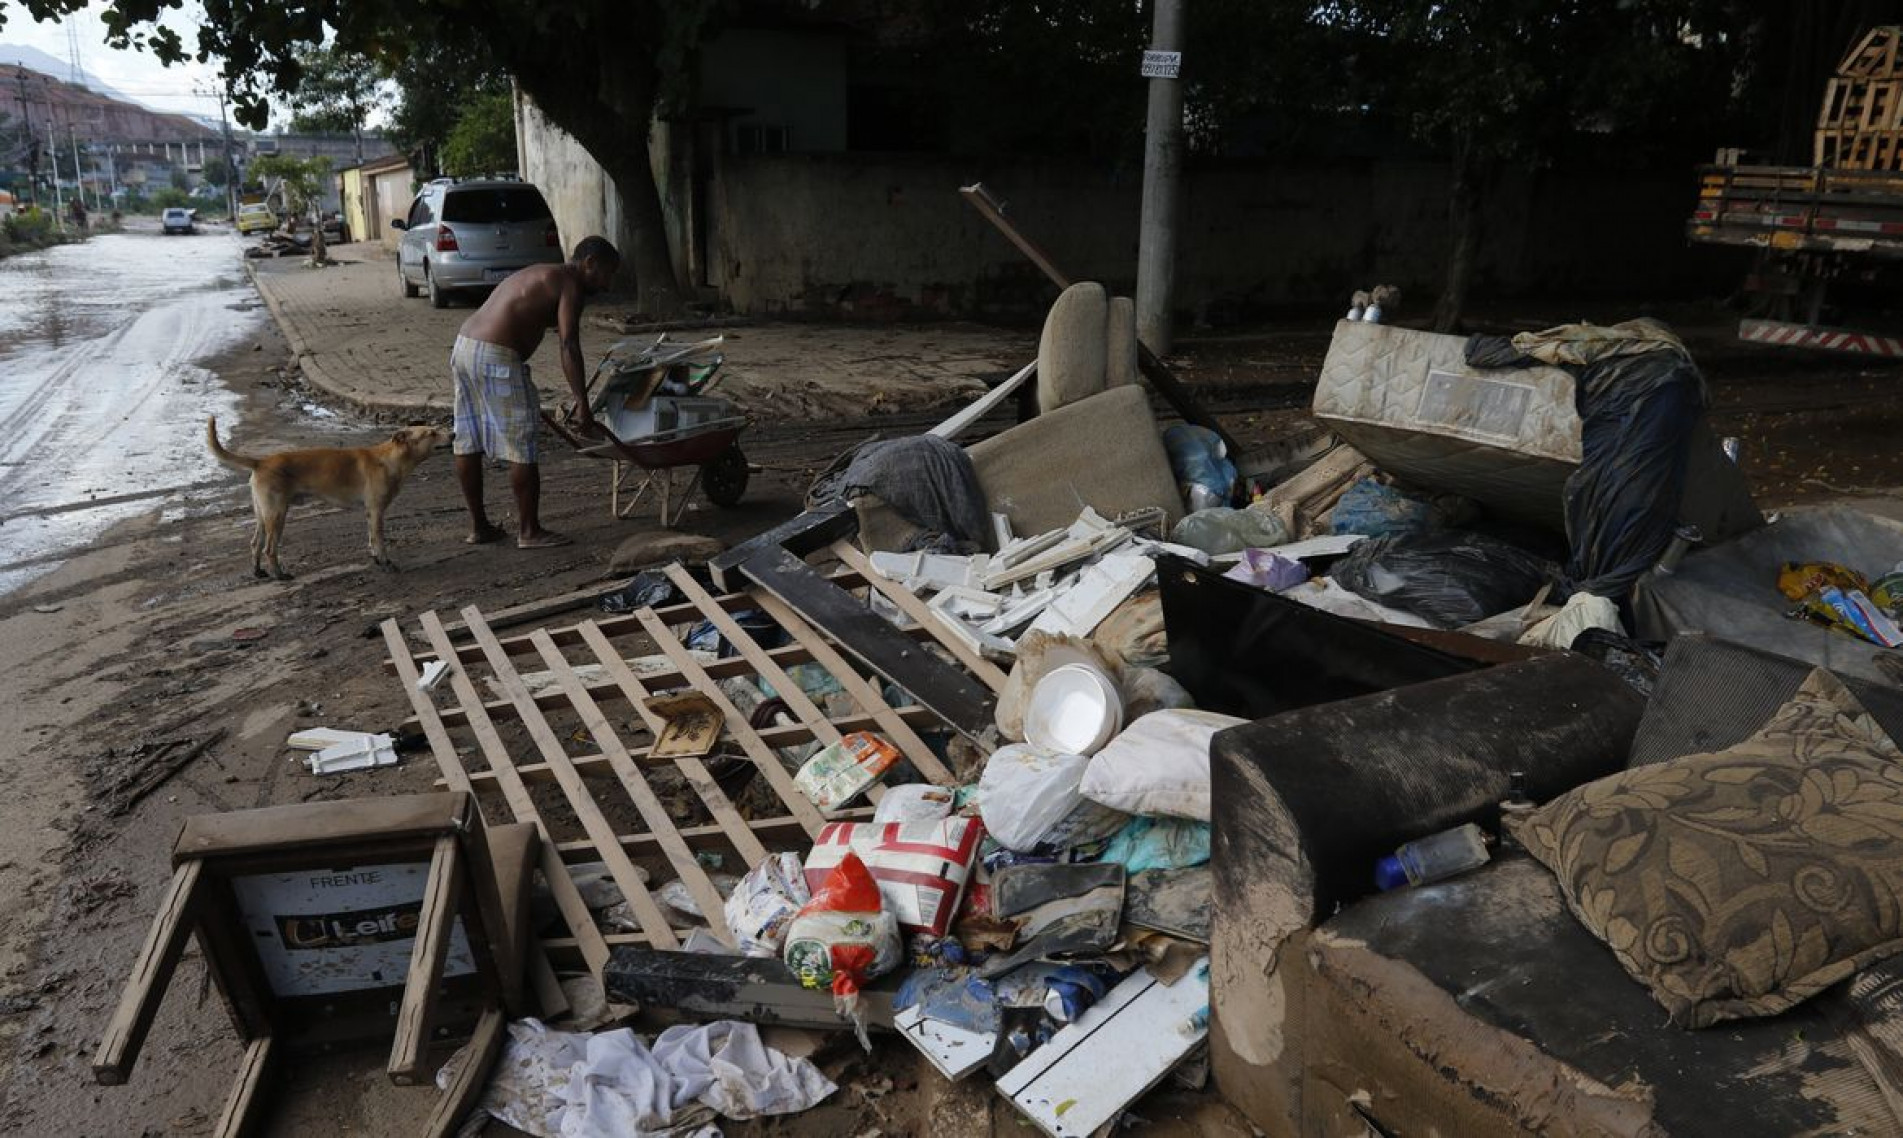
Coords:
348,930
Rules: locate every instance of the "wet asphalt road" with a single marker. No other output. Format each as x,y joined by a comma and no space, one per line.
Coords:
103,392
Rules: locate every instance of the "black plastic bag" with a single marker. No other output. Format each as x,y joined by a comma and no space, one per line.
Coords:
1450,579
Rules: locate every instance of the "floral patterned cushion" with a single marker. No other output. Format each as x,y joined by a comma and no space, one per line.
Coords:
1743,882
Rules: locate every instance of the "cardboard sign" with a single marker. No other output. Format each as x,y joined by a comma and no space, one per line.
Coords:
320,932
1162,64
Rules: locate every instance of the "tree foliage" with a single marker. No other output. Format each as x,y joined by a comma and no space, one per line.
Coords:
483,139
302,181
436,86
337,93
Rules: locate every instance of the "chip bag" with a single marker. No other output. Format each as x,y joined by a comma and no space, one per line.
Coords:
765,902
844,937
839,773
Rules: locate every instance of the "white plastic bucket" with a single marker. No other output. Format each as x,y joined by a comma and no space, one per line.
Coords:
1075,710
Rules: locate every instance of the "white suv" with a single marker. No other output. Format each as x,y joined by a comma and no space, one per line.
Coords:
466,235
177,220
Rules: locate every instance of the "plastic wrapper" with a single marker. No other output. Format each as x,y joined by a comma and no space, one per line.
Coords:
1200,461
839,773
842,938
1376,510
1266,570
1450,579
913,802
765,902
1223,530
1031,798
1838,598
676,896
1159,843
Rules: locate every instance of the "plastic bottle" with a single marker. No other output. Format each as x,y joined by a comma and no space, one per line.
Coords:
1433,858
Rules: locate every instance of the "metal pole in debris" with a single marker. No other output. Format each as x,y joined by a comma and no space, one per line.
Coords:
1162,158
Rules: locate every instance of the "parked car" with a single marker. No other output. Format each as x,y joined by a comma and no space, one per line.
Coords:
256,217
177,220
470,235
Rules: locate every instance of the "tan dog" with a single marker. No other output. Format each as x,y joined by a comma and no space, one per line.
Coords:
371,475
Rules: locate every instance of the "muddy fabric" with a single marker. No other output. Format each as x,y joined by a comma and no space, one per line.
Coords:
929,481
1743,882
1352,780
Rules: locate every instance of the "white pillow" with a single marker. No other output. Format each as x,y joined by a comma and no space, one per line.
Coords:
1159,766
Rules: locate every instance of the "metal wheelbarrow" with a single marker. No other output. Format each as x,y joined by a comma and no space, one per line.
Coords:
657,417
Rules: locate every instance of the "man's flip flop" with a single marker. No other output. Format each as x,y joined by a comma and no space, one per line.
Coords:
546,541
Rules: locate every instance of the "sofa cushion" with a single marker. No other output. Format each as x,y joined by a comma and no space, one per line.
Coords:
1072,352
1103,452
1742,882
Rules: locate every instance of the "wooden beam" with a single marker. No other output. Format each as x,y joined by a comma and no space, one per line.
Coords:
580,800
736,728
727,820
460,1097
862,692
810,532
660,824
978,408
959,700
240,1116
435,922
151,972
521,804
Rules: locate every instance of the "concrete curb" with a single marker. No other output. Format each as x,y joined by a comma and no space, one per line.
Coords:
315,373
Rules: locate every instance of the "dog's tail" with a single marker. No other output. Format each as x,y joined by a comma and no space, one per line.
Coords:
218,451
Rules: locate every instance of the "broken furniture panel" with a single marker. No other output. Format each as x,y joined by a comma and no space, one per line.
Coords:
756,989
580,758
335,922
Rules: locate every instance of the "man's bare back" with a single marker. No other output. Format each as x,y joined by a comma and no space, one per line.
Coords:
523,308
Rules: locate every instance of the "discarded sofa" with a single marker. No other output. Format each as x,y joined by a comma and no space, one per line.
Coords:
1094,442
1482,1004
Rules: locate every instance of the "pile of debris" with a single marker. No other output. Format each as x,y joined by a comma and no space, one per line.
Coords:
1103,758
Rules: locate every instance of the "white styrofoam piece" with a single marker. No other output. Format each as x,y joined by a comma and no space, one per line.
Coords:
1078,610
433,673
1001,534
355,755
967,604
1025,548
319,738
1094,1068
954,1051
1018,611
1150,548
930,570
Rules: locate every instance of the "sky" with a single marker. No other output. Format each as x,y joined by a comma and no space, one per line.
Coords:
134,74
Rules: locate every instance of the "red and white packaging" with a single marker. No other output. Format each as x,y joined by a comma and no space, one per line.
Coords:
921,867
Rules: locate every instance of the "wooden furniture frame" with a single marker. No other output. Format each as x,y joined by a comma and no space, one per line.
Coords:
572,752
476,878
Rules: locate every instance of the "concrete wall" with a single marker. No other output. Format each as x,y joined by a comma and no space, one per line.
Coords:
580,193
875,235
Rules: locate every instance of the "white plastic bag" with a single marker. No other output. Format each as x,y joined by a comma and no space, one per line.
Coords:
1158,766
1581,612
1029,798
765,902
913,802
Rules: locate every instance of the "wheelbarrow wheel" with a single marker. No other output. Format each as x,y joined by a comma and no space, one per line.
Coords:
724,477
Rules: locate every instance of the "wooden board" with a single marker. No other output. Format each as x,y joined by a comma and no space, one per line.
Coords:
1094,1068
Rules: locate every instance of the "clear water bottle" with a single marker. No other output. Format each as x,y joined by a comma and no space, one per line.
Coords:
1433,858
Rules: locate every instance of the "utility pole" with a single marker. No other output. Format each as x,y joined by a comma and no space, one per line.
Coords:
79,177
32,139
1162,160
231,168
52,155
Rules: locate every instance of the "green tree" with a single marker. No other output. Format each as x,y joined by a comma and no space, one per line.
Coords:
217,171
336,93
599,69
434,86
483,139
302,180
180,182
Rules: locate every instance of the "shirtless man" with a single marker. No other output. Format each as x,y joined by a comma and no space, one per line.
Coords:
497,409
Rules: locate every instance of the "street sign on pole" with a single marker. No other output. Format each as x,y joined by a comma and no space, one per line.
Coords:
1162,64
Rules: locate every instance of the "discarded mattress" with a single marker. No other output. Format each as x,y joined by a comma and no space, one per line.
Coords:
1507,438
1730,590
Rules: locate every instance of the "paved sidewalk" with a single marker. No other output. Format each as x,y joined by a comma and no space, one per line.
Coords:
360,340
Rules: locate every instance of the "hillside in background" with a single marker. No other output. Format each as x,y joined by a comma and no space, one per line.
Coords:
95,116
